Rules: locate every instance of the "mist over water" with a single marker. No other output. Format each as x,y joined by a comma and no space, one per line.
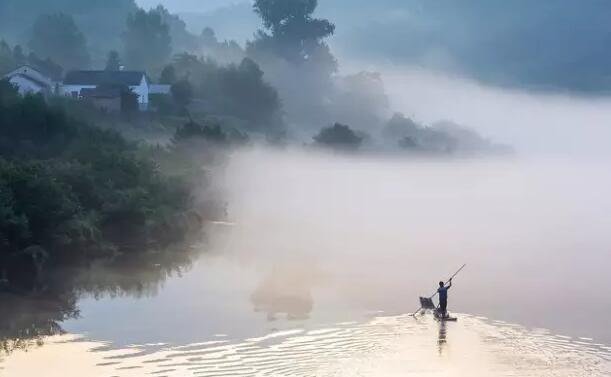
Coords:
382,231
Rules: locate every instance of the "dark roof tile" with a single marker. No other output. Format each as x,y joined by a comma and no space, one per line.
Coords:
129,78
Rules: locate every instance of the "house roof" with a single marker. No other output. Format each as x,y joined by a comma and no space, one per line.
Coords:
31,79
129,78
26,69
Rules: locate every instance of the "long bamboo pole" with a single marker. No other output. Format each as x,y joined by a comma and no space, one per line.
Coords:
435,294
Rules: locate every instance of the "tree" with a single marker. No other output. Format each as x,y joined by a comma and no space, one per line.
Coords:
7,61
236,90
129,101
292,32
338,136
251,98
182,39
47,65
147,41
56,36
8,93
113,63
296,59
182,93
168,75
222,51
19,56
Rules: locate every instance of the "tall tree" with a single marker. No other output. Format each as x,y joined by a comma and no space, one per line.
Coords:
295,57
182,93
168,75
182,39
56,36
292,32
18,55
7,60
147,41
113,63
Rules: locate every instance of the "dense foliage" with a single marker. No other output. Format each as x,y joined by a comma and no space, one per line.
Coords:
293,33
77,191
147,41
236,90
11,58
56,36
292,51
338,136
113,61
440,139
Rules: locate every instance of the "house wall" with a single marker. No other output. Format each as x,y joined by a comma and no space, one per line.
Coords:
160,89
142,91
25,86
69,90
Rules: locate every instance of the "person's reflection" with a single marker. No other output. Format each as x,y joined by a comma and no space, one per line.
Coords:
442,337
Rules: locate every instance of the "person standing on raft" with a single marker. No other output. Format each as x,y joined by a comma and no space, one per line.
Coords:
443,297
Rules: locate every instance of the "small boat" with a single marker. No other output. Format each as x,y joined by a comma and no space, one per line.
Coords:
426,304
446,318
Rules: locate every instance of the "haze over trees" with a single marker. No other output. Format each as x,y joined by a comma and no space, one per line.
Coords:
339,137
297,61
238,90
101,22
56,37
147,41
113,62
289,79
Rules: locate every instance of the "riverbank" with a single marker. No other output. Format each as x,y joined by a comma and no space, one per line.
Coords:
72,194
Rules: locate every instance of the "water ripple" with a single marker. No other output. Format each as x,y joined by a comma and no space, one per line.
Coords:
382,346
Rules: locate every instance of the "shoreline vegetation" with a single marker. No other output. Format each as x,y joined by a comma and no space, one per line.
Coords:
72,194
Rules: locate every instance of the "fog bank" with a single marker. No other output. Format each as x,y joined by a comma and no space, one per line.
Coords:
555,124
373,234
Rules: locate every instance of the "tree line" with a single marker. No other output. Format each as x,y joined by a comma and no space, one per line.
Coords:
72,193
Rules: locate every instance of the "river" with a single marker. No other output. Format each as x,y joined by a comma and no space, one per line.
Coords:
323,257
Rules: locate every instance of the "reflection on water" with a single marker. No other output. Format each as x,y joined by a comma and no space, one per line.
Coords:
382,346
285,290
28,317
442,339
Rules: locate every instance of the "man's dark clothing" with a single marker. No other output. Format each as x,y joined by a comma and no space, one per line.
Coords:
443,307
443,299
443,294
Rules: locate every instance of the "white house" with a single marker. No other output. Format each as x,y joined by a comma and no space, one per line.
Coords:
28,79
137,81
162,89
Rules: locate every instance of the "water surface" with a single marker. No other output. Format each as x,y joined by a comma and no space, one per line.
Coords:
323,257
